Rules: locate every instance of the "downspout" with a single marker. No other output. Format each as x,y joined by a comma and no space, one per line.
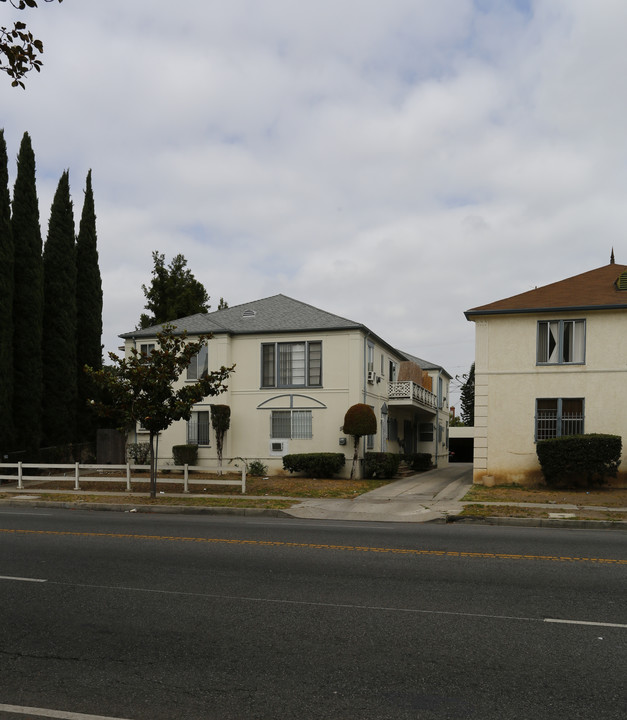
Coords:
135,426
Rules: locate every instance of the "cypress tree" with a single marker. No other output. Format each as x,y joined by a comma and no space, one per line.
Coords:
88,312
6,304
27,303
59,334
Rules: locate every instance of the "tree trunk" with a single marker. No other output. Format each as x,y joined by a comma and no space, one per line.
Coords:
355,456
153,469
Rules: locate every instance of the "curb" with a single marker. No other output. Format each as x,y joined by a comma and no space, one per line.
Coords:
167,509
541,522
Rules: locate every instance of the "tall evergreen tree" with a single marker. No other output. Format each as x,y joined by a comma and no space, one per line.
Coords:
27,303
173,293
6,304
467,398
59,334
88,312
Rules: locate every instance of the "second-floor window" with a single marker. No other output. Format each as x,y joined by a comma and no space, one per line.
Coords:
561,342
291,364
199,364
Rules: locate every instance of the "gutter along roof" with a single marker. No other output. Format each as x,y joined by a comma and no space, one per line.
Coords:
593,290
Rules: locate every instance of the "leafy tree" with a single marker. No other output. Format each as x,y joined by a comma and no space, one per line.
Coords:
467,398
18,48
59,330
88,311
359,420
27,302
223,304
140,388
220,422
6,302
173,293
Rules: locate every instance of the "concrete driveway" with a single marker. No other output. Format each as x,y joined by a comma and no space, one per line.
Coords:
425,497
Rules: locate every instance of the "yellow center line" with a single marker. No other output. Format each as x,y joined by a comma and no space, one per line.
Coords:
322,546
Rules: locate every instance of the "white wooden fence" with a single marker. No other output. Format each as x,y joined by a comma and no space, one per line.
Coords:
76,470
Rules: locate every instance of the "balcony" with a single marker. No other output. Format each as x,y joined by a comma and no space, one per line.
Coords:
410,393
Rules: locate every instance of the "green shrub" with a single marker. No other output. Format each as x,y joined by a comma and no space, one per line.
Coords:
318,465
256,468
185,454
381,464
579,460
138,453
419,462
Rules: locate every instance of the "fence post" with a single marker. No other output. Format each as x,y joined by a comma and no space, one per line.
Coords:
77,473
185,478
20,484
243,478
128,477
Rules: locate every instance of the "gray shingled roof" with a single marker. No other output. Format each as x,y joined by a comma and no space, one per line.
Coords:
275,314
425,364
278,313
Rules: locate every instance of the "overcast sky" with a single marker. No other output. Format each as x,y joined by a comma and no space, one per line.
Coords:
395,162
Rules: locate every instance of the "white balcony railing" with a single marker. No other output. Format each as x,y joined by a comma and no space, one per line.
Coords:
410,391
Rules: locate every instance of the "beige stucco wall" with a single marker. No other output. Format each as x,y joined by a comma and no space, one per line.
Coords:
249,437
508,381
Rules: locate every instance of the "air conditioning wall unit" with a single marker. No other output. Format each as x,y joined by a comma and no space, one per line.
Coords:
372,377
278,447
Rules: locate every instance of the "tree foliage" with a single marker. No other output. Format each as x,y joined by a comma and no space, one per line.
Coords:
59,327
467,398
6,303
173,293
359,420
141,389
27,302
88,310
19,49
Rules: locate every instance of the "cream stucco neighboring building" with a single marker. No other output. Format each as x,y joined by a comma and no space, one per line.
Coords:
298,370
548,362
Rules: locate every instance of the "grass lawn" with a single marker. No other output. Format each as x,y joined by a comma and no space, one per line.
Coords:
612,497
272,492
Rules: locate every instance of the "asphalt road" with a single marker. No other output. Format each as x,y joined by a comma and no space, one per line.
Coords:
147,617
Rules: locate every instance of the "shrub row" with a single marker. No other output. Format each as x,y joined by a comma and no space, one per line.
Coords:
419,462
579,459
318,465
381,464
185,454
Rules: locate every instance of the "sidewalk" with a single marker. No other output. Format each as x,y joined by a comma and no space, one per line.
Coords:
433,496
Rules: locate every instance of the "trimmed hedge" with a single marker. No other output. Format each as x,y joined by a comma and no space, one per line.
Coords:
318,465
419,462
185,454
381,464
579,460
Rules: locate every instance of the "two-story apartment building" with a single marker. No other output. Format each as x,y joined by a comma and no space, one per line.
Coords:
549,362
298,370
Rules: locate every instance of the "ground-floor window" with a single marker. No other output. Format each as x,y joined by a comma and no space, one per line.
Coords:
198,428
556,417
291,425
425,432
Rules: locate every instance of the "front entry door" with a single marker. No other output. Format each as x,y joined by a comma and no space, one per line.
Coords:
408,437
